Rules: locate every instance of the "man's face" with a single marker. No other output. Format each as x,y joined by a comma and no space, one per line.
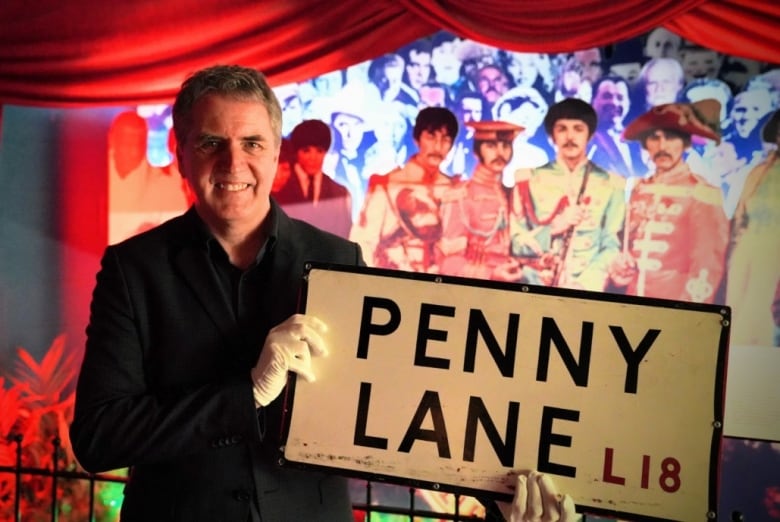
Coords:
492,83
127,141
523,68
418,69
471,109
495,155
229,160
351,130
590,61
663,84
571,137
445,62
749,107
310,159
611,103
700,63
433,147
665,149
662,44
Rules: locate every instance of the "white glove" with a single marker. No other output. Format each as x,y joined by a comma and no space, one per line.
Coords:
537,499
289,346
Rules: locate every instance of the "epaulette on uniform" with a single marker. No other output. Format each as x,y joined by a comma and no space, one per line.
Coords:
377,180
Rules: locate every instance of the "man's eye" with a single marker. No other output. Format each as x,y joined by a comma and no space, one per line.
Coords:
209,144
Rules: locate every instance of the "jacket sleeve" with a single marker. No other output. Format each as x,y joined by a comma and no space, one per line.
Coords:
120,418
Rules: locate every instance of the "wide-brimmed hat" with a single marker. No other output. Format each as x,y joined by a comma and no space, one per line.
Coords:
356,100
494,130
701,118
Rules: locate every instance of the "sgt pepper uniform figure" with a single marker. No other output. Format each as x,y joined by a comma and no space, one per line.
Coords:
400,221
475,211
580,255
676,229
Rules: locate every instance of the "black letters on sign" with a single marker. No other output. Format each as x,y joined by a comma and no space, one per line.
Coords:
367,328
547,438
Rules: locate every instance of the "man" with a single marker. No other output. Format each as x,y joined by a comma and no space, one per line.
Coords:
445,61
749,113
472,56
309,194
184,370
139,193
418,70
399,222
492,83
566,214
753,268
386,75
662,80
676,231
475,213
289,96
611,102
350,120
591,63
174,382
698,62
662,43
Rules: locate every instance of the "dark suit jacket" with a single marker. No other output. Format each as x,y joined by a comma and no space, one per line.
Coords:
165,384
332,211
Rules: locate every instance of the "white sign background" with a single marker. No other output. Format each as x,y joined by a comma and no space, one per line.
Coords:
651,453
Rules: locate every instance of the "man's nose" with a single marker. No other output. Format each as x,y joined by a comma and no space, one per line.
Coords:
231,157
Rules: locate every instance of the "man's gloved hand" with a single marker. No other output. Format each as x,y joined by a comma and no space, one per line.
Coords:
289,346
537,500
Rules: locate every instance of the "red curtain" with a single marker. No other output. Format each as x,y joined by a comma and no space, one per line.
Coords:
88,52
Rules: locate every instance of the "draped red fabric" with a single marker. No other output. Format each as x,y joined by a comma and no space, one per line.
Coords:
93,52
746,28
552,25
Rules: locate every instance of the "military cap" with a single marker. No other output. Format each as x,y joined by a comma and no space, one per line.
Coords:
494,130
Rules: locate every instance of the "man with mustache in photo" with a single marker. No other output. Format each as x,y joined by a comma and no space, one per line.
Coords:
399,221
566,215
676,232
475,212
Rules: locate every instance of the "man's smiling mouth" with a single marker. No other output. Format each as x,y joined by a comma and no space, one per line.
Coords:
232,187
